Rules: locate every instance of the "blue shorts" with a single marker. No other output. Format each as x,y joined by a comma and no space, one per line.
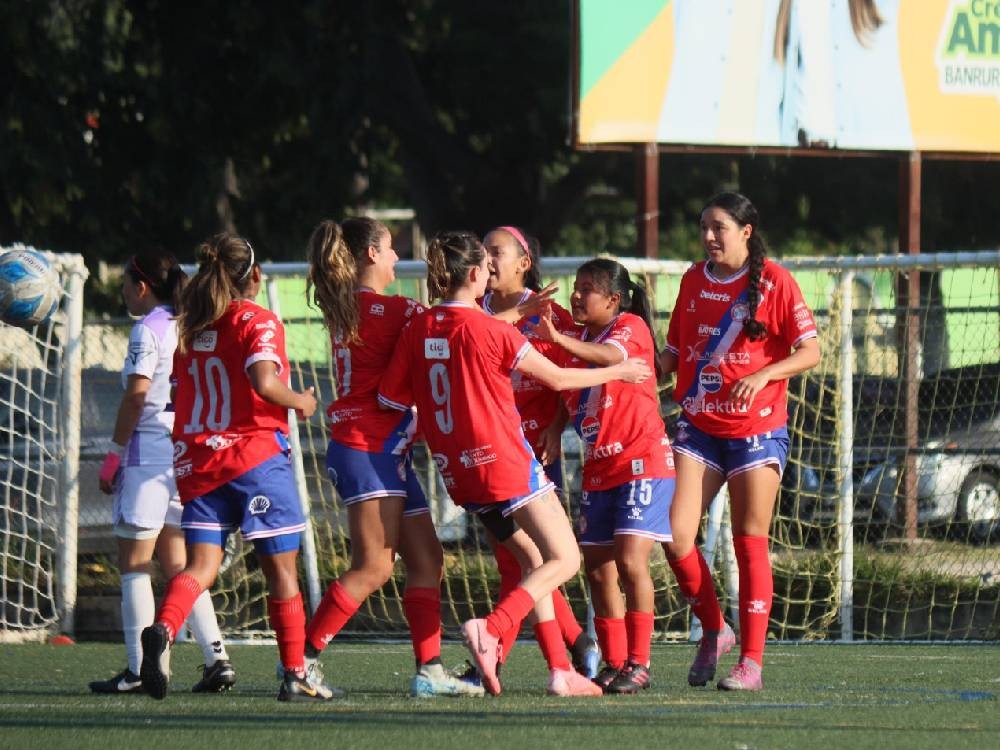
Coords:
732,456
554,472
360,475
538,486
637,508
262,503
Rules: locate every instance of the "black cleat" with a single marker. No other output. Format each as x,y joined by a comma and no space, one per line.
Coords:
155,669
217,678
632,678
125,681
605,677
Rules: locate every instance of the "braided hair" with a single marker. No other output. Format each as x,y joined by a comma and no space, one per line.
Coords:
744,213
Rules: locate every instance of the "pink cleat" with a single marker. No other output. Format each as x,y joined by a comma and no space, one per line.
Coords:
566,683
485,650
746,675
710,648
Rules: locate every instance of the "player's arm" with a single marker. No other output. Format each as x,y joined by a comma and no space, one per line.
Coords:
668,361
805,356
129,412
537,304
550,439
264,379
601,355
574,378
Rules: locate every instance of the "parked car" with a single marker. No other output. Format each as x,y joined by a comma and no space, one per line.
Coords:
958,458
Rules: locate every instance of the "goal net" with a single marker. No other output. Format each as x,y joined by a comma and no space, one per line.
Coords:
39,446
888,519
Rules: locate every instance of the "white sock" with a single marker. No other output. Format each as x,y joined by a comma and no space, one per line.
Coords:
205,628
138,611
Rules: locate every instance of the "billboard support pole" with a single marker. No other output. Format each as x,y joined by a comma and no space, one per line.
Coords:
647,173
908,294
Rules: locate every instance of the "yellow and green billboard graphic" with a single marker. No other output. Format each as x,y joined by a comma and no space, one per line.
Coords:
845,74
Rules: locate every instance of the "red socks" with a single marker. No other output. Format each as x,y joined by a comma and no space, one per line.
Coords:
422,607
509,612
178,602
288,618
639,628
510,578
756,593
613,639
568,626
695,582
335,609
550,640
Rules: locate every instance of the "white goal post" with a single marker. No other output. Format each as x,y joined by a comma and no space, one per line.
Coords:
39,464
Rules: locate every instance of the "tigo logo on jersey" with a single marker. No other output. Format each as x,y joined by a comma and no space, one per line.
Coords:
259,504
436,349
205,341
710,379
589,428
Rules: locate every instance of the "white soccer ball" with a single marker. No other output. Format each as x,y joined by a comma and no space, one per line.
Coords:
30,289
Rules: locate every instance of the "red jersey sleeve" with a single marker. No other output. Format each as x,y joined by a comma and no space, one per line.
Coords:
263,340
395,390
795,319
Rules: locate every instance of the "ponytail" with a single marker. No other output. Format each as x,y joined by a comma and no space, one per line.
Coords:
225,263
450,255
161,272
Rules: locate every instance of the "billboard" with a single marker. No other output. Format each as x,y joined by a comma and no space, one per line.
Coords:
846,74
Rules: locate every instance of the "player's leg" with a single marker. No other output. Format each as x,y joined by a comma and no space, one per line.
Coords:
218,674
698,459
374,528
752,496
135,552
609,608
424,560
632,561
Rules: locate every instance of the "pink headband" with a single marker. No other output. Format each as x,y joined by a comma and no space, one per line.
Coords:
516,234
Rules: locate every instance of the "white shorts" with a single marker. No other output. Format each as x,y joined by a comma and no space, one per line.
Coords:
146,500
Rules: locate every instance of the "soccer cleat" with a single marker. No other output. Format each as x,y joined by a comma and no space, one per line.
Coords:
567,683
217,678
485,650
586,656
307,687
155,668
432,680
125,681
710,648
632,678
605,677
746,675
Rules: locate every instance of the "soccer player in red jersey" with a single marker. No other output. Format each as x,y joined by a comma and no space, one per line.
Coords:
231,457
368,458
514,293
139,471
454,363
739,330
628,471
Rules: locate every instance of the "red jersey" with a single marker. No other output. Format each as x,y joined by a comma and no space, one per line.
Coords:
222,428
454,362
706,335
620,423
536,404
356,419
